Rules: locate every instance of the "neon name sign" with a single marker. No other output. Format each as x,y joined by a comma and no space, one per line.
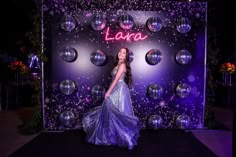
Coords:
122,36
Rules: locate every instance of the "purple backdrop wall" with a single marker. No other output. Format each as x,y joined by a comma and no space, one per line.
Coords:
172,88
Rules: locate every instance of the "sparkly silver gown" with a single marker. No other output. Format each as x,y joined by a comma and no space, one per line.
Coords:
114,122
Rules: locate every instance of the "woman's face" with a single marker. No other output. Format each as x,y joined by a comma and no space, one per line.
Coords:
122,54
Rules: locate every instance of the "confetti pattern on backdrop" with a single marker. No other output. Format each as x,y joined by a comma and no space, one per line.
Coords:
70,47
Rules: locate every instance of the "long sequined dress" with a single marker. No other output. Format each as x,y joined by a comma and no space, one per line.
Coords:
114,122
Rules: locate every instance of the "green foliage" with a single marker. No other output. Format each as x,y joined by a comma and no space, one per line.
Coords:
212,64
34,125
213,57
35,35
209,119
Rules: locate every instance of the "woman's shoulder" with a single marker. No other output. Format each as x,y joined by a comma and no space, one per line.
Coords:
121,65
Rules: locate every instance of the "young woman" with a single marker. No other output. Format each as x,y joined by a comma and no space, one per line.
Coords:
114,122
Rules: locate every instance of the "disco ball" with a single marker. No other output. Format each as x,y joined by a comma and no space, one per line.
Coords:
67,87
98,58
153,56
126,22
183,25
183,56
183,90
67,118
155,122
68,23
98,22
154,24
183,121
68,54
155,91
98,92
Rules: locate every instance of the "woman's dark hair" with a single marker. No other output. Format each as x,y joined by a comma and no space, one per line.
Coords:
128,76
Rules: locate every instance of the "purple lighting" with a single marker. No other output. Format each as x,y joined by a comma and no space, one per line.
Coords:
34,64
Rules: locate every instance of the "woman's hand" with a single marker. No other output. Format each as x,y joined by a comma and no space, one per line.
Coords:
107,95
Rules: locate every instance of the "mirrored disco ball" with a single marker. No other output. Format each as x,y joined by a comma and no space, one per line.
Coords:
98,58
154,24
155,121
98,22
67,118
131,56
68,23
183,90
67,87
126,22
155,91
183,122
183,56
153,56
68,54
183,25
98,92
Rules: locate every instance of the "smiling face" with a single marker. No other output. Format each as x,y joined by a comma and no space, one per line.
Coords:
122,55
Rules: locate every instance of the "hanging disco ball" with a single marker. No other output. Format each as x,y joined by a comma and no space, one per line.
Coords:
126,22
98,58
155,91
183,56
67,118
183,25
155,122
154,24
98,22
98,92
153,57
67,87
68,23
183,121
183,90
68,54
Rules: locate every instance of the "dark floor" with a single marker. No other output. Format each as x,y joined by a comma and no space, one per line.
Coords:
218,140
